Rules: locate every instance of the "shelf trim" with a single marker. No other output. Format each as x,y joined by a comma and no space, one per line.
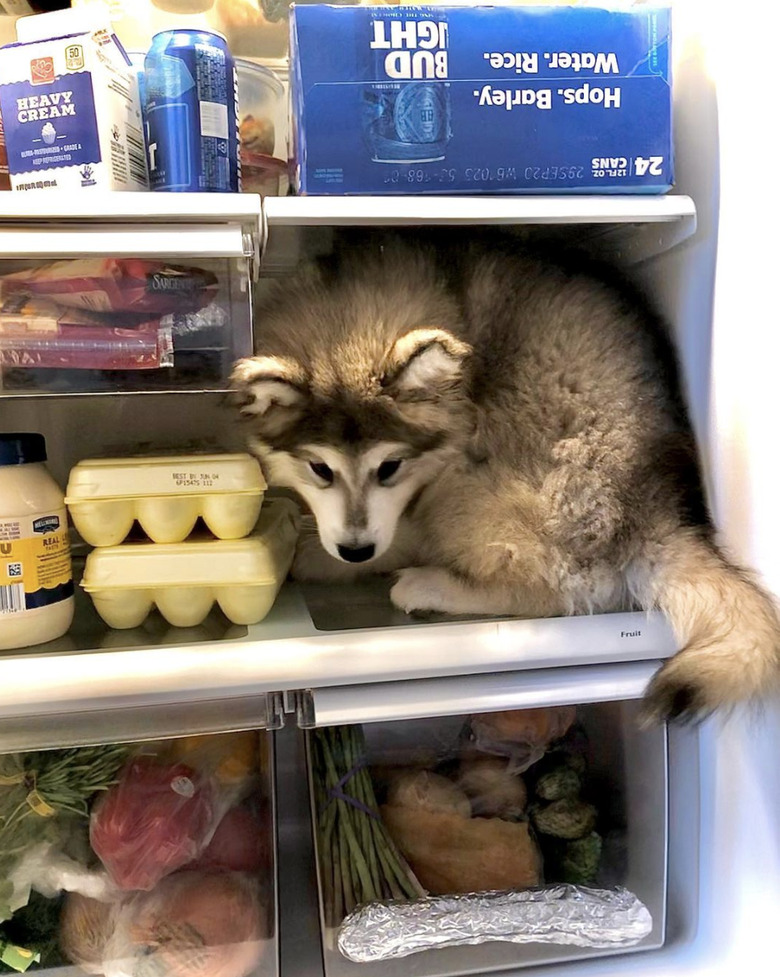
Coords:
131,206
414,210
286,653
198,241
455,696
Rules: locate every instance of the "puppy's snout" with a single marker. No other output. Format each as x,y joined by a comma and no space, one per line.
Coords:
356,554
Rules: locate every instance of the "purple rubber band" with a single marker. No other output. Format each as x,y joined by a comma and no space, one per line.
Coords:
337,794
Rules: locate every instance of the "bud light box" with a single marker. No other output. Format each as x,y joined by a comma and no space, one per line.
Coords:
481,99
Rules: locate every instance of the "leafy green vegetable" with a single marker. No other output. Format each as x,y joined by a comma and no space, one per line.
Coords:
558,783
35,928
576,861
567,818
41,793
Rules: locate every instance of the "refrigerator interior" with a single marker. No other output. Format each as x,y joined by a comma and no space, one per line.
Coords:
724,789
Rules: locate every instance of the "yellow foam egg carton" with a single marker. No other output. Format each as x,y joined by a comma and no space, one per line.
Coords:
165,495
185,579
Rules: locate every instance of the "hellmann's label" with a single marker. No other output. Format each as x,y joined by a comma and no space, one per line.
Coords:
481,99
72,114
35,568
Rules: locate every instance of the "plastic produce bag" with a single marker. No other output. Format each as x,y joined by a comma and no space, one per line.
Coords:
522,735
46,869
169,803
86,926
117,285
158,818
193,923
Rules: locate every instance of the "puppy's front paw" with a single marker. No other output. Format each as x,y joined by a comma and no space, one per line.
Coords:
420,589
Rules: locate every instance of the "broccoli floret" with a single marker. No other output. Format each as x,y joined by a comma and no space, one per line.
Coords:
558,783
576,861
565,818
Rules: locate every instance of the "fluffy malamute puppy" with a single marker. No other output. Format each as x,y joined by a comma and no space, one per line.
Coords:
507,434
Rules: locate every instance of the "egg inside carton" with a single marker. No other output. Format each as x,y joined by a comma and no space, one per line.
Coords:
165,519
184,580
165,496
184,607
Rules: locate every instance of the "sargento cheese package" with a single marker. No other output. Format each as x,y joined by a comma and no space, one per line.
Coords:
133,285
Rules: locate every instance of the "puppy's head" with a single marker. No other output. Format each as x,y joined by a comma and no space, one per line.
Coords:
359,440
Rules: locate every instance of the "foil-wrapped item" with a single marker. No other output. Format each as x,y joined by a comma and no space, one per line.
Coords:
563,914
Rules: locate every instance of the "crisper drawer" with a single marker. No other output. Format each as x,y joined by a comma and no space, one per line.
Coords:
539,783
127,293
100,325
153,858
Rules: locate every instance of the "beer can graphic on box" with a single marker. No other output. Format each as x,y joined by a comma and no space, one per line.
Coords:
192,113
406,114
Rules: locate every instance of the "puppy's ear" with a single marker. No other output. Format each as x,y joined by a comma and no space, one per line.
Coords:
425,362
272,389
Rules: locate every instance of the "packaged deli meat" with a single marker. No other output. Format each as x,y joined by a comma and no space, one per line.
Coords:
146,347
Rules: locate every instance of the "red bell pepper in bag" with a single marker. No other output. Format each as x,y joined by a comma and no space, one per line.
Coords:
156,819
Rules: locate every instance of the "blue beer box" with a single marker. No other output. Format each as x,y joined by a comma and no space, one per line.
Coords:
481,99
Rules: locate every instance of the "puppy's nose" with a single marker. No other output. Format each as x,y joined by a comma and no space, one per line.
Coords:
356,554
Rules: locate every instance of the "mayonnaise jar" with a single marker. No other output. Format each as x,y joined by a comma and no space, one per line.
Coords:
36,578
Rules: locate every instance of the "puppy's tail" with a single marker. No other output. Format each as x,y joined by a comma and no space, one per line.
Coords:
727,625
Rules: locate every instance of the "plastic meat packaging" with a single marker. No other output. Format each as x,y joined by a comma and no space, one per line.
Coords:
147,347
166,494
117,285
563,914
185,579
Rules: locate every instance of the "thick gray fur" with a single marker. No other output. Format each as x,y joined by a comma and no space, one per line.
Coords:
550,465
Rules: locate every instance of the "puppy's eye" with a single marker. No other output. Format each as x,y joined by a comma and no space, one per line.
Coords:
387,469
322,471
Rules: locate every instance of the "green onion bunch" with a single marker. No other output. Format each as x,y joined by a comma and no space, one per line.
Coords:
38,788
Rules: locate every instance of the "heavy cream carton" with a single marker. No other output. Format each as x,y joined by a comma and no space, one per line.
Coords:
71,109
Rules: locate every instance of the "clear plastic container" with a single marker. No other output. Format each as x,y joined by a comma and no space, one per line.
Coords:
166,495
464,815
253,28
262,129
36,580
185,579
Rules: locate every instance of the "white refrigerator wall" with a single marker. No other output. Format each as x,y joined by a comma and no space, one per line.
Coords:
719,289
742,887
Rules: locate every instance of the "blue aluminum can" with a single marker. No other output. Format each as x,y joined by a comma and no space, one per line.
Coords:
406,111
192,113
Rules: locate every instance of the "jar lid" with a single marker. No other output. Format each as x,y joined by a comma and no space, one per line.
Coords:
22,449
